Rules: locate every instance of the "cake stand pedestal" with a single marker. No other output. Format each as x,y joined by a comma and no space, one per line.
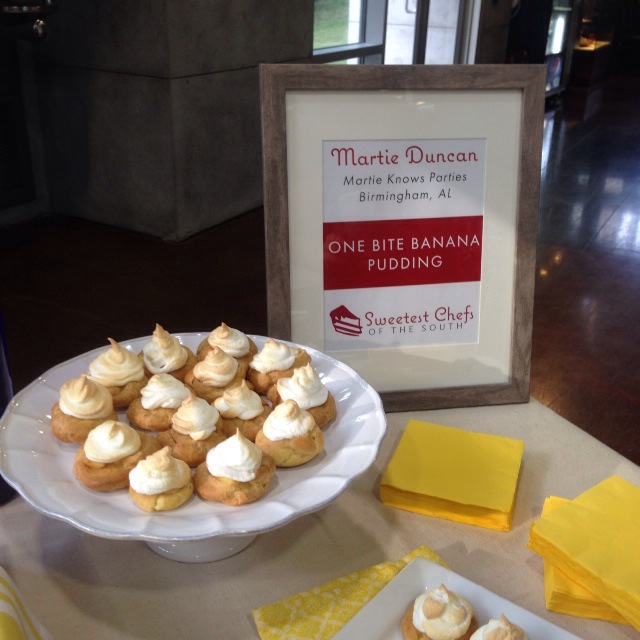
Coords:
208,550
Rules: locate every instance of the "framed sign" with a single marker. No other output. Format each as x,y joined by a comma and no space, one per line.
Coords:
401,208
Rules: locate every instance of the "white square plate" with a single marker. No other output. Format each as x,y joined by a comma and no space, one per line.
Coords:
380,618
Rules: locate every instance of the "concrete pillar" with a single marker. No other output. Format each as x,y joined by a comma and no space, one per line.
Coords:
150,108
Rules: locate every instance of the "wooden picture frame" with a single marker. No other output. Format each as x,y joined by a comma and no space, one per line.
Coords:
498,108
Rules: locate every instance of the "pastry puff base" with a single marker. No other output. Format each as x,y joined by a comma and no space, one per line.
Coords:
204,347
233,492
165,501
125,395
180,373
184,447
409,632
248,428
292,452
208,393
109,476
262,382
323,414
149,419
71,429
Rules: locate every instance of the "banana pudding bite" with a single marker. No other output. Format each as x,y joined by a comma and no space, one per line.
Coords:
438,613
290,435
235,472
241,409
83,405
158,402
160,482
121,372
232,341
110,451
164,354
194,431
306,388
500,629
211,377
274,361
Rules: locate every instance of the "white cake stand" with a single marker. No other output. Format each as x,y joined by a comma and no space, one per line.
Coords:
39,467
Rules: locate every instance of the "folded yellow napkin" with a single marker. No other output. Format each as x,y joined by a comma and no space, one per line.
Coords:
564,595
594,540
454,474
16,621
320,613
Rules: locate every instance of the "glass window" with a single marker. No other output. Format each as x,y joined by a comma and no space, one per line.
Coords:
336,23
431,31
349,31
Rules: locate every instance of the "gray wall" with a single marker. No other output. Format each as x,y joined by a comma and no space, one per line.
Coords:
150,109
144,114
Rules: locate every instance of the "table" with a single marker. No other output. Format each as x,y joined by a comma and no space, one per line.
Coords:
82,586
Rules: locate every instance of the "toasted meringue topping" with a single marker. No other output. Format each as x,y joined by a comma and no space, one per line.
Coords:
441,614
236,458
305,387
217,369
501,629
287,420
274,356
116,366
158,473
85,399
164,353
111,441
163,391
195,418
239,402
231,341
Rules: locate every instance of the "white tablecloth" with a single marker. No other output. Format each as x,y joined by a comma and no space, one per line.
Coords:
81,586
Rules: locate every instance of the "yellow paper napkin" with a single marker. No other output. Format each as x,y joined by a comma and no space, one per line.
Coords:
320,613
564,595
454,474
594,540
16,621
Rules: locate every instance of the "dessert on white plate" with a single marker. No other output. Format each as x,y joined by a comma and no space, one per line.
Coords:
194,431
199,531
290,435
159,400
236,472
121,372
164,353
160,482
110,451
82,405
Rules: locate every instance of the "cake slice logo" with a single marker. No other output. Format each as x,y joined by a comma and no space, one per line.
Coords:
345,322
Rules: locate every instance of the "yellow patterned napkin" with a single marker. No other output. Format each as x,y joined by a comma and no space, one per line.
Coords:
564,595
454,474
16,621
320,613
593,539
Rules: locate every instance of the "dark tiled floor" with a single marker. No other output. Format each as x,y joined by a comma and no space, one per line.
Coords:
586,335
67,284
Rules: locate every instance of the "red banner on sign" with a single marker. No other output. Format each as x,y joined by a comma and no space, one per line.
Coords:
395,253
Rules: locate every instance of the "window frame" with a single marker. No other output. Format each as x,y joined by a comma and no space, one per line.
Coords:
370,49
